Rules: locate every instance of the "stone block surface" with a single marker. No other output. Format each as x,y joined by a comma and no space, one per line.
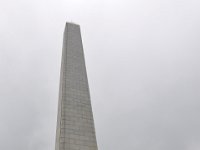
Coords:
75,125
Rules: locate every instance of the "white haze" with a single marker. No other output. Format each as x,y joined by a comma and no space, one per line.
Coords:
142,62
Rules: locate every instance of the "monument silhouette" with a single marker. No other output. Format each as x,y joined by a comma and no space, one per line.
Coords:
75,124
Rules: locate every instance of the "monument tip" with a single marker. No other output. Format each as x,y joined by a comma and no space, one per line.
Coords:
72,23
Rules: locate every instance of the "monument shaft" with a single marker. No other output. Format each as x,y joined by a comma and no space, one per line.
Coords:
75,125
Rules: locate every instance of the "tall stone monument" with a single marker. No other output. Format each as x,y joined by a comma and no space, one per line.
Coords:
75,124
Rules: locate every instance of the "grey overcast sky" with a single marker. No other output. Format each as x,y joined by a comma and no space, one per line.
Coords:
143,65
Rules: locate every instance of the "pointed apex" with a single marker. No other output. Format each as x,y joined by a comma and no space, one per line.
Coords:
72,23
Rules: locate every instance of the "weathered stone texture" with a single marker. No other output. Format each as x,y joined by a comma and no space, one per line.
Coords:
75,125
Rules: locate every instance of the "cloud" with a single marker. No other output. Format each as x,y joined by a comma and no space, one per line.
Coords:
142,61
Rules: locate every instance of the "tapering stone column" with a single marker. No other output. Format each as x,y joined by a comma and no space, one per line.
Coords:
75,124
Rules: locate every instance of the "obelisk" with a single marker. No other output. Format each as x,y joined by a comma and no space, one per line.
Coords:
75,124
